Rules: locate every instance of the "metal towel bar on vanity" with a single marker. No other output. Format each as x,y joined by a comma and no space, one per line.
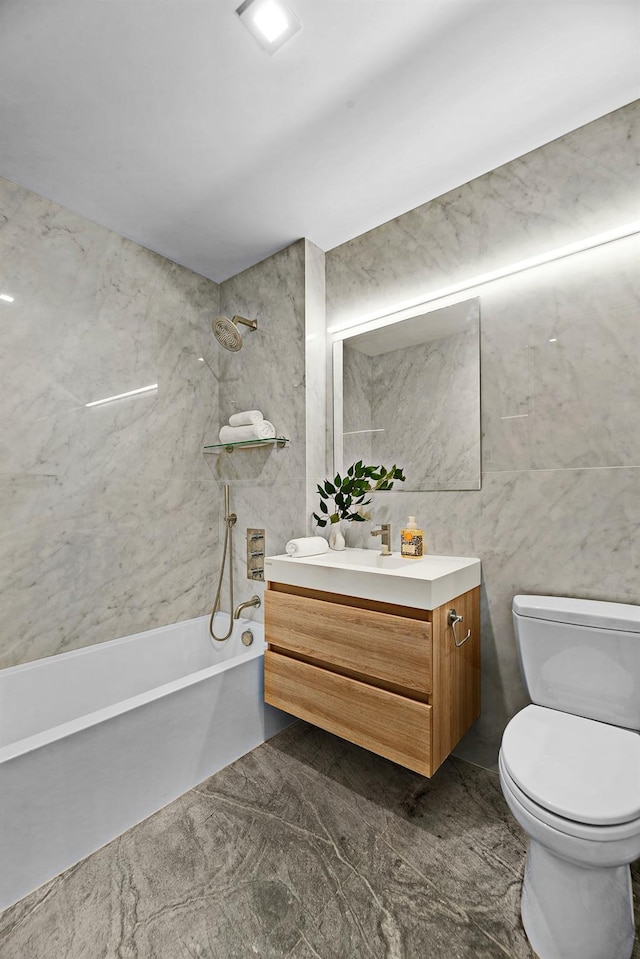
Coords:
453,619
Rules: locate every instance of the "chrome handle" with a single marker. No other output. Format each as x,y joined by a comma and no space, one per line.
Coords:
453,619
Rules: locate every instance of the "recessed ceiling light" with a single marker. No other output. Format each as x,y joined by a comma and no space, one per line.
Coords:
6,297
271,22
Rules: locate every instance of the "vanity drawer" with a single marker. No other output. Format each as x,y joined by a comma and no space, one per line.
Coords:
390,725
383,647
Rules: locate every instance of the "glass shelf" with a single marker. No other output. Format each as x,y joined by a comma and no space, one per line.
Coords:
279,441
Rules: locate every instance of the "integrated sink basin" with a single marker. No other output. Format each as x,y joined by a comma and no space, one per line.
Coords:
424,583
365,558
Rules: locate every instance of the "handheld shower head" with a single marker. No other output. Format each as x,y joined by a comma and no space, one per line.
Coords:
227,333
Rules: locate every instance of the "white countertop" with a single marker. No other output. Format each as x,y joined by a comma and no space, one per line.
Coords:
424,583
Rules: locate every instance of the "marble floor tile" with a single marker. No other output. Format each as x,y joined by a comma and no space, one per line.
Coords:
373,786
388,909
635,878
306,847
456,832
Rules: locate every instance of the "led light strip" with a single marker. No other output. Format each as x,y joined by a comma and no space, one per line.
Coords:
121,396
464,286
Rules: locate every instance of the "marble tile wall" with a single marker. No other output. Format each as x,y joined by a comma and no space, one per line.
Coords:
559,508
576,186
108,515
111,517
268,486
316,392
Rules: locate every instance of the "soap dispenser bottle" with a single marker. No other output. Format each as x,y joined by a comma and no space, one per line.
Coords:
411,540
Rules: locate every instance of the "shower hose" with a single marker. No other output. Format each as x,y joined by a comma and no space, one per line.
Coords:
229,520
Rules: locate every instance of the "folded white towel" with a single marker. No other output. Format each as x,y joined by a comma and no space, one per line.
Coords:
307,546
263,430
246,418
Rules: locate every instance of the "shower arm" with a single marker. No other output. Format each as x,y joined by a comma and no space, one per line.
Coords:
252,324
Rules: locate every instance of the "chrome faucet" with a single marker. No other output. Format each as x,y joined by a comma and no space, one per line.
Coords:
254,601
385,533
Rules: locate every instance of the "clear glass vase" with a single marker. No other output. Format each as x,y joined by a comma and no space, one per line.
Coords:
336,536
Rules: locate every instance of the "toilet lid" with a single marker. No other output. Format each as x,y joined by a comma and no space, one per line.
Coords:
578,768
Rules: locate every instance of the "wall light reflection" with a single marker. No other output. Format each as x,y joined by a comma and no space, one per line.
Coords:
469,287
121,396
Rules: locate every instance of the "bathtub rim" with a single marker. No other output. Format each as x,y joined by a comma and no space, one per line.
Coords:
29,744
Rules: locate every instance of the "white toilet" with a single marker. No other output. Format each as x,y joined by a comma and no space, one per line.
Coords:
570,773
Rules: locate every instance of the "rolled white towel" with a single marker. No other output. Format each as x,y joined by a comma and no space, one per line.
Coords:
307,546
246,418
264,430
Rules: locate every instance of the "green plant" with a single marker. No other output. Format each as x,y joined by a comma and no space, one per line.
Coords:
344,496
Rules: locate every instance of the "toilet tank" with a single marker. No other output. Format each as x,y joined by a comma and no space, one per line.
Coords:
581,656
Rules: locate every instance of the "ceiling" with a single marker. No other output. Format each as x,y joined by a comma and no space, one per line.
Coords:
165,121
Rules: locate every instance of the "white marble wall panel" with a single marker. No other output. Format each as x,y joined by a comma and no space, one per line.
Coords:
105,560
561,369
578,185
268,373
315,376
559,508
108,514
268,486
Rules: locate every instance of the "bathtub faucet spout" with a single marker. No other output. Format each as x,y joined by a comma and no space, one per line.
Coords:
254,601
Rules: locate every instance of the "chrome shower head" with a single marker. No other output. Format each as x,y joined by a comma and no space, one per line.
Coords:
227,333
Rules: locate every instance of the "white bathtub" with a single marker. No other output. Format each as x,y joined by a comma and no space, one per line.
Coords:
95,740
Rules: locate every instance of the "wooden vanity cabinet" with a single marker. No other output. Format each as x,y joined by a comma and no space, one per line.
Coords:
388,678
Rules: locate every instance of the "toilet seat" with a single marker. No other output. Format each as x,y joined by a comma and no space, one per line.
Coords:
618,832
578,770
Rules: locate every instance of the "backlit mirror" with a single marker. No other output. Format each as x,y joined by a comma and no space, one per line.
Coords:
409,393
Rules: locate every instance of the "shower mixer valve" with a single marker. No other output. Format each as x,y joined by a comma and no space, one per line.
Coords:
255,554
